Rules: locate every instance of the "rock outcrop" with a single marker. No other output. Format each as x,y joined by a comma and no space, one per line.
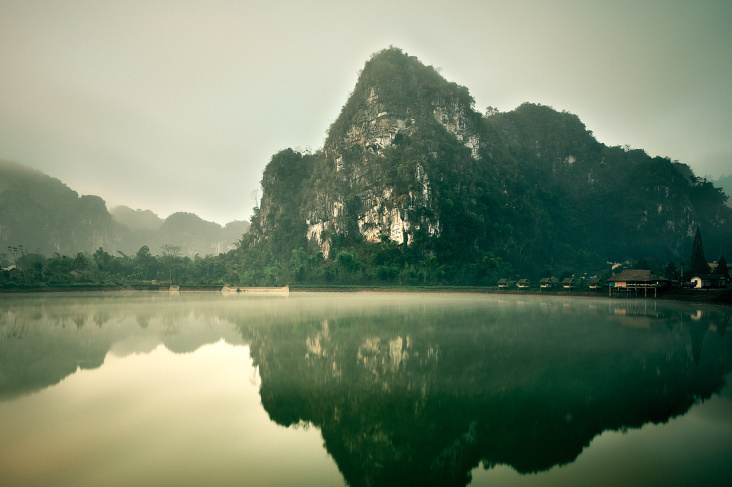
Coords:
409,161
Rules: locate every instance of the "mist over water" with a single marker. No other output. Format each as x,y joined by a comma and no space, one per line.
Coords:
362,388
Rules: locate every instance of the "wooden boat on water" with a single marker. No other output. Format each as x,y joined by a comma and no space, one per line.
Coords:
281,291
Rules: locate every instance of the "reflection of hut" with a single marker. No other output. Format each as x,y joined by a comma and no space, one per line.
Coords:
636,280
523,284
569,283
548,282
506,283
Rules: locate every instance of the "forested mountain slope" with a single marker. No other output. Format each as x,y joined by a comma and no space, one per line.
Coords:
412,177
45,216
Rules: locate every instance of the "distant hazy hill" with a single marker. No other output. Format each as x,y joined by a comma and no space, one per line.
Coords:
136,219
725,182
44,215
196,235
410,162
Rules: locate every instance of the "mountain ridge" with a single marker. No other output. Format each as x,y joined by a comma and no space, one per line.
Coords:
45,216
410,162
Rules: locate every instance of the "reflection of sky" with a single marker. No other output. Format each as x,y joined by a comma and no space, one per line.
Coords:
683,452
158,418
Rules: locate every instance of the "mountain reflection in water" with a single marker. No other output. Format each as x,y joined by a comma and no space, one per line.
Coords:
415,389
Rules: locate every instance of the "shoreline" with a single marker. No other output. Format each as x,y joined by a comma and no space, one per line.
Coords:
713,297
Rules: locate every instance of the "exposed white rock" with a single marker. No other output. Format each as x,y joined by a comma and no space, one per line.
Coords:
426,188
370,225
315,234
315,230
473,143
376,128
399,228
454,118
337,209
384,213
379,218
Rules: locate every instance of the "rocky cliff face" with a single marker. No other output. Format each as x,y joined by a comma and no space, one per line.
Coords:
352,188
410,162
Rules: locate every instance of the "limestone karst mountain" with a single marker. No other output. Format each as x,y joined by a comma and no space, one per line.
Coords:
45,216
411,163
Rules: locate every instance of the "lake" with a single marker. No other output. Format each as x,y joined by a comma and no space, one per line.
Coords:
359,389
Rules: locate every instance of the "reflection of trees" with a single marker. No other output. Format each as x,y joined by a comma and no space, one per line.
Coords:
46,338
409,390
46,352
422,397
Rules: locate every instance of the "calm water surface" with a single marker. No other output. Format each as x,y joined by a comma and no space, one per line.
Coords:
362,389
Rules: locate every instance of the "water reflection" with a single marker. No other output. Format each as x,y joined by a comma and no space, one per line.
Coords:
405,389
46,338
422,395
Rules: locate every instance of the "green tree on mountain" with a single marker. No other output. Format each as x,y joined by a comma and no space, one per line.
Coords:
698,264
722,268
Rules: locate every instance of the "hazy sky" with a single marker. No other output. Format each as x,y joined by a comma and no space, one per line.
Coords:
176,105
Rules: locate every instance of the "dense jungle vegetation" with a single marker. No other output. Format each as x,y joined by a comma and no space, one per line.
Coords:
542,198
